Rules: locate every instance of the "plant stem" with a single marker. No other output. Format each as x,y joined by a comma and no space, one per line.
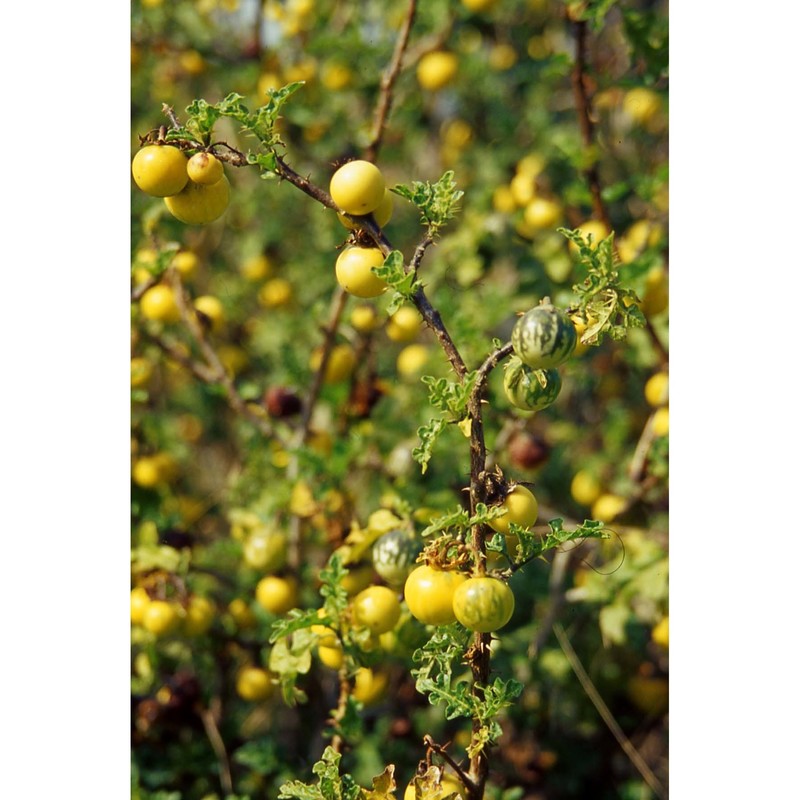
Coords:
387,85
603,710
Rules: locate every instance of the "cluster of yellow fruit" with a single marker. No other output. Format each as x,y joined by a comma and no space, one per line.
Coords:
195,190
359,188
166,617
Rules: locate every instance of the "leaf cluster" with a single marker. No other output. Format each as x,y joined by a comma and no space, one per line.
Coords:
436,678
333,785
394,274
450,397
437,202
607,306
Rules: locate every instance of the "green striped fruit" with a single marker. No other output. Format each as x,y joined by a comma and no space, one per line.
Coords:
544,337
528,388
394,555
483,604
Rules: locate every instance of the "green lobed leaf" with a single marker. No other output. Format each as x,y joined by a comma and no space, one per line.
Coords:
428,434
610,307
532,545
437,202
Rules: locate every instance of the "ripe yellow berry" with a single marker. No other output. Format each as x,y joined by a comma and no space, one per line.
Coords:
607,507
436,70
160,170
275,292
211,309
585,488
199,203
404,324
185,262
158,303
661,421
254,684
364,318
656,390
411,360
521,508
358,187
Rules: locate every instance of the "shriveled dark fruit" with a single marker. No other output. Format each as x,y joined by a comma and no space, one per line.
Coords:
282,402
527,450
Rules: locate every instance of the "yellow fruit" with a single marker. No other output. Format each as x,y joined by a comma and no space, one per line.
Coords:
254,684
585,488
211,308
200,204
364,318
531,165
521,508
332,657
266,82
192,62
642,105
656,390
354,271
357,578
158,303
503,200
449,785
656,292
502,57
436,70
141,371
199,616
523,188
358,187
256,268
608,506
140,600
412,359
341,363
275,292
382,214
661,421
265,549
242,614
327,636
160,170
478,5
335,76
304,70
404,324
145,473
542,213
160,618
277,595
580,329
457,134
369,686
185,262
205,169
660,633
598,230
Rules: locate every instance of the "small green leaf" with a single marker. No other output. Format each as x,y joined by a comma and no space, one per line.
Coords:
428,434
437,202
